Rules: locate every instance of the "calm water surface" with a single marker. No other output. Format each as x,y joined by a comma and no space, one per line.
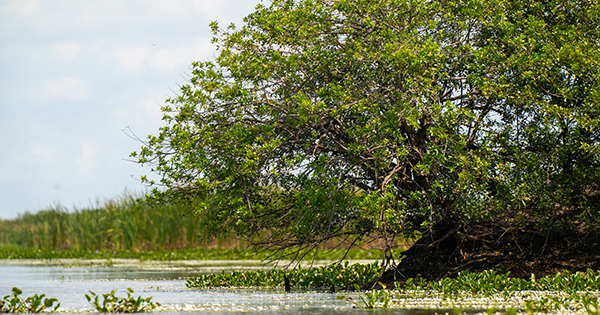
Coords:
168,288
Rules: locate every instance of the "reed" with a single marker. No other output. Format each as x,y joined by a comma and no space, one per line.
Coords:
122,224
128,226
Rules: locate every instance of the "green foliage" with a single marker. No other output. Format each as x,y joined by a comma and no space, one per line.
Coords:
112,304
326,119
14,303
338,277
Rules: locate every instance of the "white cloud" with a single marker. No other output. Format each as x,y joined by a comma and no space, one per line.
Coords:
98,45
130,58
67,50
75,73
66,88
87,156
172,58
37,156
142,112
139,58
20,7
166,60
152,106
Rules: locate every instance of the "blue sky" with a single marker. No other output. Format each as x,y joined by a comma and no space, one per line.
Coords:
74,75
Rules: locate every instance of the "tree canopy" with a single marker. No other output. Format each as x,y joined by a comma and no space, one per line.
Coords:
322,119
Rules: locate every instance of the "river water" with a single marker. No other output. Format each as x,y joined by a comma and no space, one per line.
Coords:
167,287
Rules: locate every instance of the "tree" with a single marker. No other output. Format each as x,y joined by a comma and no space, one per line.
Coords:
349,119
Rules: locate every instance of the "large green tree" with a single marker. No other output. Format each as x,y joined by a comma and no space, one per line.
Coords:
323,119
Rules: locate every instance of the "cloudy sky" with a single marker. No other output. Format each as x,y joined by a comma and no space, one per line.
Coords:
74,75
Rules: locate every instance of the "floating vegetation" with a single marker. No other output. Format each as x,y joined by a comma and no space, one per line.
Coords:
496,293
14,303
112,304
333,277
559,294
373,299
491,282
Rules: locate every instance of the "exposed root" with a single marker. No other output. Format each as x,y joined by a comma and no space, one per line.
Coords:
522,251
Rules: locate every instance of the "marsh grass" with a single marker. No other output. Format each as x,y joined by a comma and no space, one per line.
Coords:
123,224
128,228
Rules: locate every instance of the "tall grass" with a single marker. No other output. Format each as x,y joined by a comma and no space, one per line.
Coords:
123,224
127,225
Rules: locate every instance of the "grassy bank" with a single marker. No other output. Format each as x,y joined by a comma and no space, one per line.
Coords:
19,252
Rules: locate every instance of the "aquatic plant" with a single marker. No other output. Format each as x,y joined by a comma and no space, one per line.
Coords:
14,303
562,292
334,277
495,292
112,304
490,282
373,298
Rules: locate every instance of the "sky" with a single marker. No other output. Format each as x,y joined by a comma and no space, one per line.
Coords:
76,76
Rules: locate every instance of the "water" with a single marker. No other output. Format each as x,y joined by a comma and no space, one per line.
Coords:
167,287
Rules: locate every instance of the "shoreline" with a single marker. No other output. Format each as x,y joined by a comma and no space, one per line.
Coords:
214,265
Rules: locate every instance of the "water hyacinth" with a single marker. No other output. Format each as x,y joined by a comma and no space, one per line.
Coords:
489,291
333,277
491,282
562,293
14,303
112,304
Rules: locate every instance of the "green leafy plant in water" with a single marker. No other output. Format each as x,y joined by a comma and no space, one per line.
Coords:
338,277
373,299
492,311
112,304
491,282
14,303
563,291
591,305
